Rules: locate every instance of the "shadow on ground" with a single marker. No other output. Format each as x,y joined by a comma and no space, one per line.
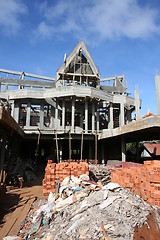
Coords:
8,205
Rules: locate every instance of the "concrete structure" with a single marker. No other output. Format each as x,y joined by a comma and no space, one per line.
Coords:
64,115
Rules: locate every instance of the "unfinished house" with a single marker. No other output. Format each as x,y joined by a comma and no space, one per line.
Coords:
63,117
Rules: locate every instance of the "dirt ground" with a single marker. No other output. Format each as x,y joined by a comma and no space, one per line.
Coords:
17,202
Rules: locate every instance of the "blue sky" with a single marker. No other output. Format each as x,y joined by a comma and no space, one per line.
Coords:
121,36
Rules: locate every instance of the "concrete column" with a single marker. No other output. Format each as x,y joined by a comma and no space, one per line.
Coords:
56,114
6,87
123,149
52,117
28,115
60,152
42,115
63,114
73,113
122,113
93,116
110,125
97,115
137,104
16,112
86,115
157,83
12,108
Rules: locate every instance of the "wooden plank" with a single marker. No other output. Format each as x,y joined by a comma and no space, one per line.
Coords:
9,224
17,225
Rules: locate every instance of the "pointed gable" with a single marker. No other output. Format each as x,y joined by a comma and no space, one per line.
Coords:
78,64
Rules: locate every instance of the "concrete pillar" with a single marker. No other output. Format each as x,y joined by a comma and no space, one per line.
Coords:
110,125
86,115
63,114
52,117
137,104
6,87
60,152
12,108
157,83
73,114
16,112
42,115
56,114
28,114
123,149
122,113
93,116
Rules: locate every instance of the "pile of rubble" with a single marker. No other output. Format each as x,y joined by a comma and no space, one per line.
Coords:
84,209
114,208
81,208
100,173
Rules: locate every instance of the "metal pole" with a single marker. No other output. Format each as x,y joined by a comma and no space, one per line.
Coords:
57,146
70,145
82,146
96,147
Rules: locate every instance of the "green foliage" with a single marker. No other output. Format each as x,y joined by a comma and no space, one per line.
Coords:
132,145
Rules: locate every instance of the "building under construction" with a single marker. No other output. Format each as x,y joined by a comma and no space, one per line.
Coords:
76,115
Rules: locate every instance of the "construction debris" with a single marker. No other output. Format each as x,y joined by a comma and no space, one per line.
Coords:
88,212
81,208
100,173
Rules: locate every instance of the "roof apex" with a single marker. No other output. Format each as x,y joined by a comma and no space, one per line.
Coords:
80,45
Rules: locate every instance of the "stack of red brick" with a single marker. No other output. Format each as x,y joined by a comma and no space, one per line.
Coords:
143,181
54,171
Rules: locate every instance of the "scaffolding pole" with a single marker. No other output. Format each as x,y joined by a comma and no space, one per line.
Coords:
70,145
57,146
82,146
96,147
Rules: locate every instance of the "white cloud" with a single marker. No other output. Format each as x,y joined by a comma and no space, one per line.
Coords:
10,10
103,19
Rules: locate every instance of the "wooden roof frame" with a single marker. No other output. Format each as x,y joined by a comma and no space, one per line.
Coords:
69,59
